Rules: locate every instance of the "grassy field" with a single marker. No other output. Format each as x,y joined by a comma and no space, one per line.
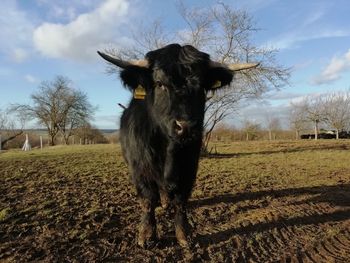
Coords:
253,202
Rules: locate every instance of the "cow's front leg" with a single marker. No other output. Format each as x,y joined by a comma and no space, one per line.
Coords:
164,199
182,227
147,231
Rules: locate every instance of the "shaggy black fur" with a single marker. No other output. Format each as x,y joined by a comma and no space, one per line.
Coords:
159,159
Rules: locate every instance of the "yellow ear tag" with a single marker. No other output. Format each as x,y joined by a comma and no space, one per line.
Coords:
217,84
139,93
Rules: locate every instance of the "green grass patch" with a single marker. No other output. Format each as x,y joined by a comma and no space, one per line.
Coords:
4,213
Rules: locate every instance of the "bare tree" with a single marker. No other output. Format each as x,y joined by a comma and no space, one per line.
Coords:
337,110
9,129
214,113
226,34
146,38
273,124
88,133
200,26
58,107
77,112
297,119
313,108
250,129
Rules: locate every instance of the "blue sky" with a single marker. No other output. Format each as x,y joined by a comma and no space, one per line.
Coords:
41,39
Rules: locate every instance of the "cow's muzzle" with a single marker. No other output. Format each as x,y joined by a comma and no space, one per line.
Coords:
184,131
181,128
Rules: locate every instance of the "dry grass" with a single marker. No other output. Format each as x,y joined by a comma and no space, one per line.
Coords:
253,202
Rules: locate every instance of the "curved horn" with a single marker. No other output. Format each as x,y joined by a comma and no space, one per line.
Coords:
242,66
122,63
236,66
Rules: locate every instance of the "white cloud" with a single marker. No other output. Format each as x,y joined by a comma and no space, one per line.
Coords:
281,95
333,70
306,26
106,121
30,78
68,2
6,71
19,55
314,17
347,55
312,95
79,39
259,113
65,10
15,31
293,38
254,5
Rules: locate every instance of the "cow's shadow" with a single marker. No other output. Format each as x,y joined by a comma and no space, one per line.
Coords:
335,195
285,150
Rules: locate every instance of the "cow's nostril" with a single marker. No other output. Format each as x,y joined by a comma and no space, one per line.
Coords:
180,127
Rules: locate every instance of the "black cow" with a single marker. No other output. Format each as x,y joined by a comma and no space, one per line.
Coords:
161,129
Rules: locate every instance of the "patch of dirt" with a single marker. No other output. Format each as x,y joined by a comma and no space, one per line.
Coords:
80,207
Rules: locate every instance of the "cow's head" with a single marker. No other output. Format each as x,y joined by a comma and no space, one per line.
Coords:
173,82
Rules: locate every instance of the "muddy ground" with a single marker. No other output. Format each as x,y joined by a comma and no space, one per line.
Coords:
253,202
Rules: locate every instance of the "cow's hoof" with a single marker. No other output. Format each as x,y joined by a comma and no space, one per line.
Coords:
185,242
182,239
147,235
164,200
165,206
149,244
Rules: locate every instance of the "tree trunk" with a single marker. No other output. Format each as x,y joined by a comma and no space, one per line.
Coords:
205,143
316,130
66,139
337,134
10,139
52,139
270,135
296,134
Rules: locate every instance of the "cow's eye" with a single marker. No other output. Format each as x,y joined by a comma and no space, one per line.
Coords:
160,85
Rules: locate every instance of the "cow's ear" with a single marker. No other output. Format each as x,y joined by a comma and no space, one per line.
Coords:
138,80
219,77
221,74
134,76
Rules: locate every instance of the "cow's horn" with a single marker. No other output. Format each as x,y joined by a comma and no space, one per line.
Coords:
122,63
242,66
236,66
